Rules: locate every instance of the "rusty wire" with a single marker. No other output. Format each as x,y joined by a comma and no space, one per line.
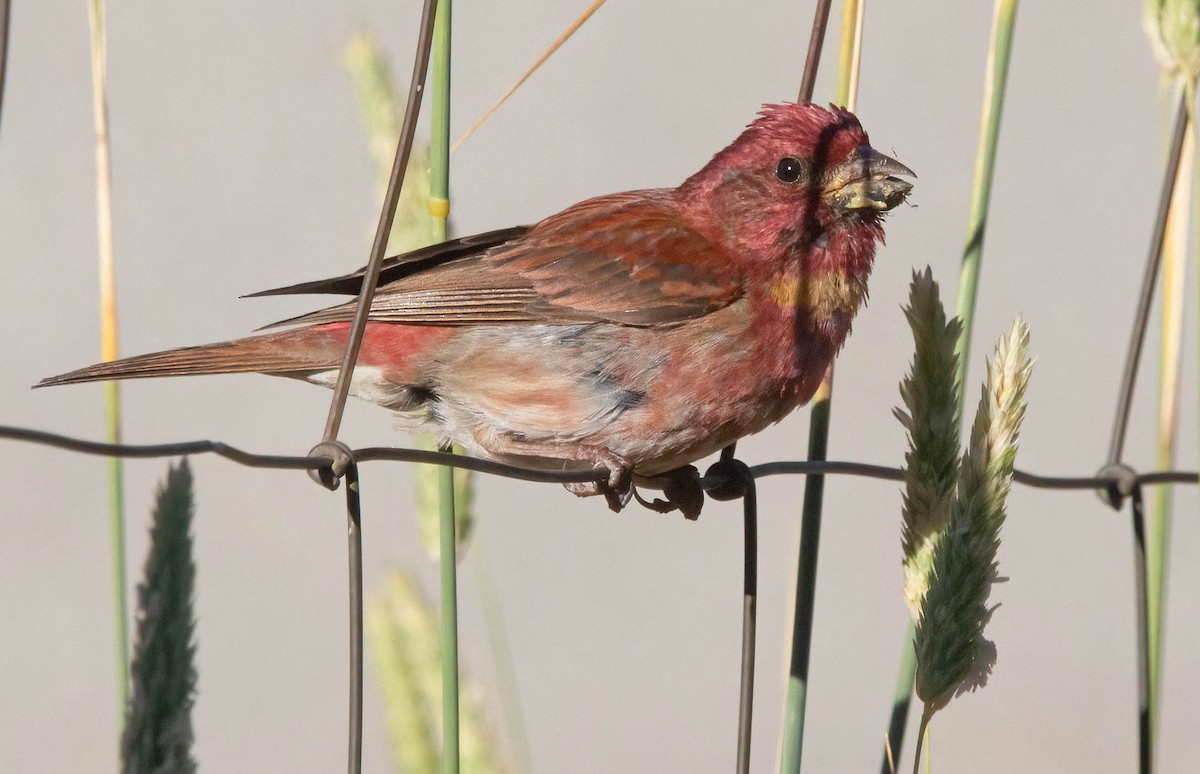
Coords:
1112,482
5,12
1100,481
370,279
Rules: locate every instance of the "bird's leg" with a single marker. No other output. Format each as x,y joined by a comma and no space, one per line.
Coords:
617,488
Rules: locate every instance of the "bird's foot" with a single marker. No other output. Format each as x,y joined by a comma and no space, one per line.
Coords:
617,488
681,488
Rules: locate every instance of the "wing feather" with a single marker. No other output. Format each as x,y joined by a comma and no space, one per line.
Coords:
627,258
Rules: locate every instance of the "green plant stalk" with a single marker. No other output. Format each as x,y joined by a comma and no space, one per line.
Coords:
1003,24
449,625
439,207
116,529
792,741
922,742
1159,525
108,341
994,89
792,745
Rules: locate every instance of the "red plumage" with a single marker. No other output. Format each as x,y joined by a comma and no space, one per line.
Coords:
638,331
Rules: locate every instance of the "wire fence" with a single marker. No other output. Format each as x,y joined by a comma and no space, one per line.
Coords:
330,461
726,480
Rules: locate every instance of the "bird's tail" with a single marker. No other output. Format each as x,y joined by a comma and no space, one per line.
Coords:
291,352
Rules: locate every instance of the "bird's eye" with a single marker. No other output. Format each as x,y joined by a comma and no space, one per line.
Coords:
789,169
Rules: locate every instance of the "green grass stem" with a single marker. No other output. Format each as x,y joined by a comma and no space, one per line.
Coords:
796,697
108,340
1159,525
995,86
439,208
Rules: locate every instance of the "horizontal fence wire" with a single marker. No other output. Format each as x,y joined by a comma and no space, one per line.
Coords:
1103,480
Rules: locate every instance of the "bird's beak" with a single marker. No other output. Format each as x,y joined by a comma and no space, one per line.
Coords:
867,182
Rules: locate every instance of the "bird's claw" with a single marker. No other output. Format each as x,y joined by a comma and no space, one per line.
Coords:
617,488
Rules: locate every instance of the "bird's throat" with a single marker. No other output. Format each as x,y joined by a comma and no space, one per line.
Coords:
828,299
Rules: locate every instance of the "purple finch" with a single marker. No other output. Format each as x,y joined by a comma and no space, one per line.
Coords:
637,332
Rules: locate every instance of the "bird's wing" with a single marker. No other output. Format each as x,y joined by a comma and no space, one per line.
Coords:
627,258
405,264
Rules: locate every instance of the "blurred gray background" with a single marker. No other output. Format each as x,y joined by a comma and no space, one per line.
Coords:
239,164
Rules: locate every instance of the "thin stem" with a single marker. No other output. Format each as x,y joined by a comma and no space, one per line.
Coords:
416,91
1142,316
850,54
921,732
806,583
449,623
439,208
108,336
566,34
994,89
818,440
898,723
439,136
1159,526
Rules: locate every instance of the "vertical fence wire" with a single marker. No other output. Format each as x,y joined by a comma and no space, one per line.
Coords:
728,479
343,461
1145,732
354,546
749,618
5,12
416,91
1116,447
812,61
1146,297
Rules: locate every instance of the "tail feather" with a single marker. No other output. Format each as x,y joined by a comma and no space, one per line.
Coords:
286,352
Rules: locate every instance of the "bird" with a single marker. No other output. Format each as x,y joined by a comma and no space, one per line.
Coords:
635,332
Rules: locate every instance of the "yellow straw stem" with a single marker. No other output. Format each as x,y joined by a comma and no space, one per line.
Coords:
850,63
108,336
108,287
575,25
1174,268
